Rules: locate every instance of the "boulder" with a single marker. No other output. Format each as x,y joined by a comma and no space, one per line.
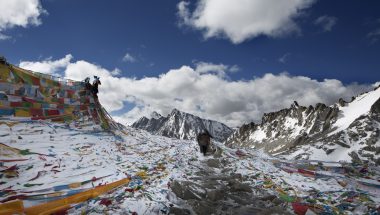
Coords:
215,195
213,163
179,211
236,186
188,190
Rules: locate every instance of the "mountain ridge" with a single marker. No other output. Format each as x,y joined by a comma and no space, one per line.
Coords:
305,131
182,125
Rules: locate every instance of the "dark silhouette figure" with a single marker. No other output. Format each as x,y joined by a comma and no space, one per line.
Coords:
87,84
95,85
3,60
203,140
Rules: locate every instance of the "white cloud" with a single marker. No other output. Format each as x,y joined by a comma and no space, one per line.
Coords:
219,69
377,84
19,13
234,68
4,37
240,20
208,94
284,58
48,66
116,72
184,13
129,58
326,22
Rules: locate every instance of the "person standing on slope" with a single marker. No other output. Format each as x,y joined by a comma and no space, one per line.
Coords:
95,85
203,140
88,86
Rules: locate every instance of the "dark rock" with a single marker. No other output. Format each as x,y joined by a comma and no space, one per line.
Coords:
342,102
268,198
309,110
299,141
355,158
237,176
215,195
179,211
236,186
377,161
243,198
213,163
375,108
329,151
353,136
187,190
371,156
248,210
224,170
277,201
369,148
343,144
274,210
202,207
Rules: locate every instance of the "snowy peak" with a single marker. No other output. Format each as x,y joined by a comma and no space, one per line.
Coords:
320,131
361,105
182,125
175,111
155,115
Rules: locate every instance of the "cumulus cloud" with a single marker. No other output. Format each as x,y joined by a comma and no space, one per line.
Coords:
19,13
129,58
220,69
116,72
4,37
48,66
326,22
240,20
208,95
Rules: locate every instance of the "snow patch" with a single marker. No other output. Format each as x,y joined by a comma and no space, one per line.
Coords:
361,105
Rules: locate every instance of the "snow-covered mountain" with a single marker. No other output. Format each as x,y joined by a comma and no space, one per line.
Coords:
182,125
347,131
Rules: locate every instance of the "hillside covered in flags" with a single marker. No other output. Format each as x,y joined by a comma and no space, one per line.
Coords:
37,96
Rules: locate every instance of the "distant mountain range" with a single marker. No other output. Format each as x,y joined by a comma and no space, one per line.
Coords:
344,131
347,131
182,125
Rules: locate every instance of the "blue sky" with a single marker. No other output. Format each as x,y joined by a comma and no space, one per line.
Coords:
337,40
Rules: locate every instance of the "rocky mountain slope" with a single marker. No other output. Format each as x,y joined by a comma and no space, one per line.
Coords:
345,131
182,125
44,162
